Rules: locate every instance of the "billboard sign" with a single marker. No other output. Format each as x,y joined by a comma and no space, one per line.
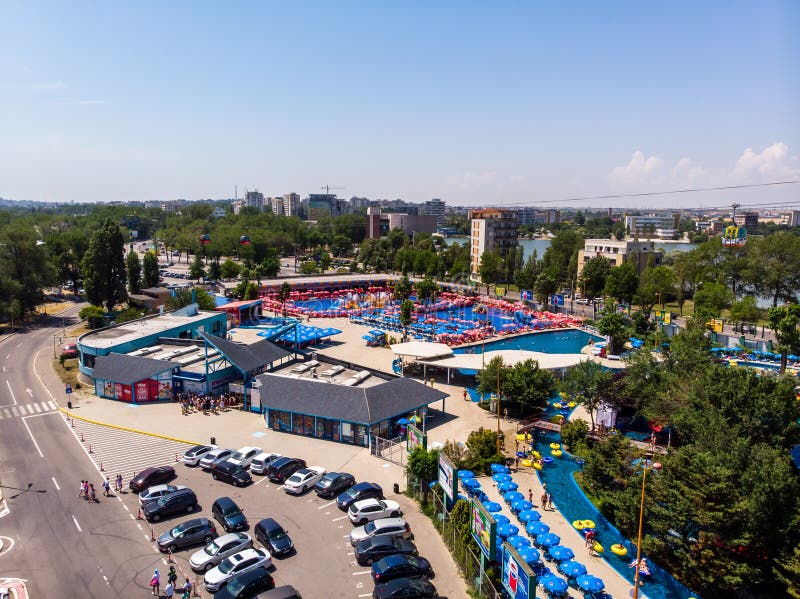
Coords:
484,529
517,577
526,294
448,476
500,291
415,438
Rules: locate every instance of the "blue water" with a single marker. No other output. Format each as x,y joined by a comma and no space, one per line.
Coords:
574,505
551,342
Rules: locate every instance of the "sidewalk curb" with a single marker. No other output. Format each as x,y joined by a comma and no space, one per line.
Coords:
124,428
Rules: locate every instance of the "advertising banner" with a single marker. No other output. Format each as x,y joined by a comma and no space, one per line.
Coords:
448,477
557,300
484,529
526,294
415,438
517,577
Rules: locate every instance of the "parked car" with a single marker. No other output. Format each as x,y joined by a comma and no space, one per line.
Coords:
193,456
334,483
247,585
357,493
261,462
384,526
367,510
234,565
183,501
303,480
283,468
244,456
226,512
273,537
404,587
70,350
186,534
151,476
218,549
401,566
376,548
284,592
214,455
230,473
157,492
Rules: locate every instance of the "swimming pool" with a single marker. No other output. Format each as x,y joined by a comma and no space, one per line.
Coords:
569,341
574,505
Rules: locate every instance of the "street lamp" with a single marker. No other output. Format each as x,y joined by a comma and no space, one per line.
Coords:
637,563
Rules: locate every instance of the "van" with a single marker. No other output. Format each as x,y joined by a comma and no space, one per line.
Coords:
262,461
283,468
226,512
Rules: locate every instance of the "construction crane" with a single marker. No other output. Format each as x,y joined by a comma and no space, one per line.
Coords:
328,188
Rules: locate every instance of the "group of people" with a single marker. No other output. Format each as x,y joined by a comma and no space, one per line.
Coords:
171,588
207,404
88,492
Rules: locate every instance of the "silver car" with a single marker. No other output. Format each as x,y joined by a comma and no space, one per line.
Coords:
214,455
396,527
218,549
236,564
157,492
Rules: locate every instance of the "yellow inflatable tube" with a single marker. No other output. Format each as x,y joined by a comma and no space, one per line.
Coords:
618,549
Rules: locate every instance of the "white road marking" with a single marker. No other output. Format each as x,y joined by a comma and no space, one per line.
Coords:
139,526
8,356
362,572
322,507
78,526
14,411
132,518
41,455
37,408
29,391
10,545
11,391
36,372
52,405
6,413
23,409
261,481
19,344
366,595
55,482
340,518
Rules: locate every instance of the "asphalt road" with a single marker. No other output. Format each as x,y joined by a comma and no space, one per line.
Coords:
61,545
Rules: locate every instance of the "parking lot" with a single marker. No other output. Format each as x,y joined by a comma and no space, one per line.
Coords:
322,565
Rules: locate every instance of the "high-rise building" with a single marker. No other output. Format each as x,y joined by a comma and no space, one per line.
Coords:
357,204
663,226
254,199
491,229
291,204
620,251
748,220
434,207
321,205
276,204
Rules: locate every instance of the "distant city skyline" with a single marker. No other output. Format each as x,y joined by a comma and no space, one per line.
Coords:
476,104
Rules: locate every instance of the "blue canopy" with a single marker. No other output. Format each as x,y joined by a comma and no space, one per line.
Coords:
590,583
561,553
529,554
519,542
507,487
572,568
492,506
536,528
501,477
499,468
501,519
466,474
403,421
529,515
376,332
548,539
512,496
553,583
507,529
471,483
521,505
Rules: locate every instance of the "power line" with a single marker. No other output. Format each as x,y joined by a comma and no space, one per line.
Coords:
657,193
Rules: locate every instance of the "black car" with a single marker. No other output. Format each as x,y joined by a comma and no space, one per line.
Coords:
401,566
357,493
192,532
231,473
284,592
230,515
151,476
334,483
376,548
283,468
405,588
274,537
182,501
247,585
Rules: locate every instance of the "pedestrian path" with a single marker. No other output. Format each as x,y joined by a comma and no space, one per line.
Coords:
27,409
124,452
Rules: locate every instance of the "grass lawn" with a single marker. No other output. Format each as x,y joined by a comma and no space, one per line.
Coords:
68,372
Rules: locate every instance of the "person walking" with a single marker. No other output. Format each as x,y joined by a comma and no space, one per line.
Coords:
172,575
118,484
169,590
155,583
82,489
92,494
187,589
530,496
544,500
106,488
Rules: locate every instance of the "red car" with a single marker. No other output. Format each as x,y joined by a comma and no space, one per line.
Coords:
151,476
70,351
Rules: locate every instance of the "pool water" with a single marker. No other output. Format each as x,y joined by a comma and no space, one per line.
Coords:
574,505
569,341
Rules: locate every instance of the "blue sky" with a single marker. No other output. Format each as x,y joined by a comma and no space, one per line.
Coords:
475,103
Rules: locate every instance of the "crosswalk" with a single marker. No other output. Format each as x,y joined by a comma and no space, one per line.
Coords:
126,452
27,409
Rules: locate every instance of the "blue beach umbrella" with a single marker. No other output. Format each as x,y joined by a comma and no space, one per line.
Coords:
536,528
529,515
501,519
519,542
571,568
499,468
507,487
403,421
505,530
492,506
590,583
462,474
501,477
529,554
554,584
548,539
512,496
521,505
561,553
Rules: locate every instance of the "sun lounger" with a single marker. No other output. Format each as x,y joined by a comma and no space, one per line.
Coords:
300,368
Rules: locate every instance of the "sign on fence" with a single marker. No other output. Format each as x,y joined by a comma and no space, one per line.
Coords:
484,529
448,476
518,578
415,438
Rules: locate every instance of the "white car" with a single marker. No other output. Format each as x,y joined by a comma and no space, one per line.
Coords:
236,564
396,527
218,549
367,510
193,456
303,479
261,462
157,492
214,455
244,456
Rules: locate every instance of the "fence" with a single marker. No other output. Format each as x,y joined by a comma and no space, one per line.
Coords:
463,554
391,450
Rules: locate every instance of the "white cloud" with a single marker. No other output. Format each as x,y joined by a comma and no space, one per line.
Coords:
772,162
44,86
640,169
686,171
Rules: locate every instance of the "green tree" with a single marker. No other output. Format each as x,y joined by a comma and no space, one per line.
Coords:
104,267
214,270
129,313
775,266
270,266
93,315
491,269
183,297
426,289
196,270
613,326
573,435
406,309
560,258
745,310
660,281
150,271
284,293
711,299
622,282
134,272
685,269
783,321
230,269
546,285
402,289
308,268
525,278
589,384
594,275
423,466
482,450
